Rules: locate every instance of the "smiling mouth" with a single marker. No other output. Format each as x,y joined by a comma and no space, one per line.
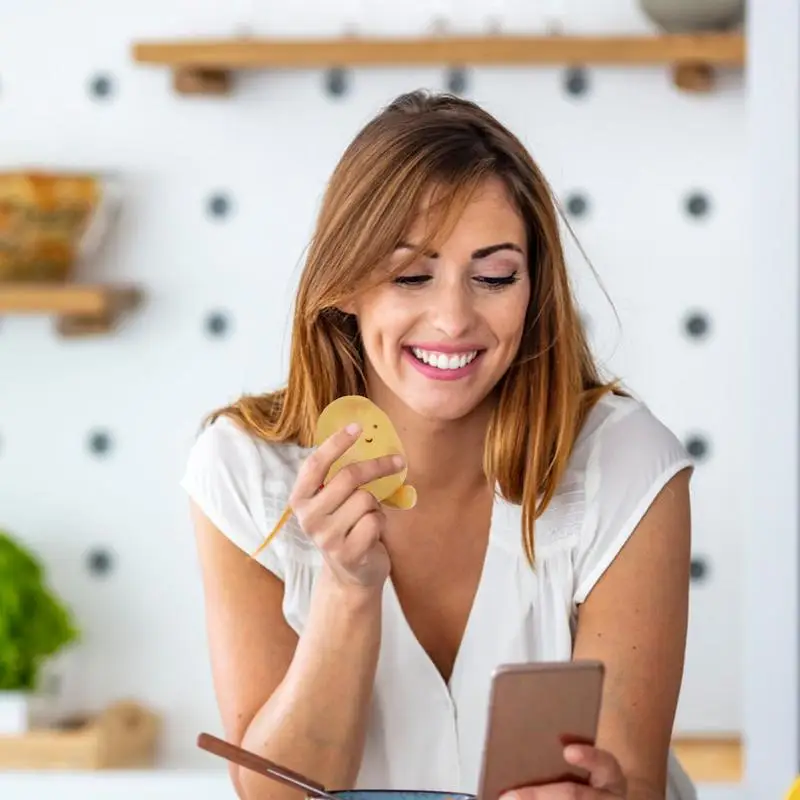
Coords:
369,441
444,361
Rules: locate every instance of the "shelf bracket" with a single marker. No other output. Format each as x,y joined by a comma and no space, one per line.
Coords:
694,77
201,80
116,305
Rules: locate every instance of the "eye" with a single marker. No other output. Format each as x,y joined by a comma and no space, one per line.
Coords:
498,282
411,280
490,282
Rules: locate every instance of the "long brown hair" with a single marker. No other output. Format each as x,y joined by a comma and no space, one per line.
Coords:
419,143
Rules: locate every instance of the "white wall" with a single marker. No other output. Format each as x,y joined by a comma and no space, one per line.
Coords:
771,688
632,145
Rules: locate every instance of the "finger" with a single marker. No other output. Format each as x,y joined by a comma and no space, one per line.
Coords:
316,467
355,475
338,525
553,791
364,535
604,770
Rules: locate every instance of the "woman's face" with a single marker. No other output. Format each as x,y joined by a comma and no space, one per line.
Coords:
441,334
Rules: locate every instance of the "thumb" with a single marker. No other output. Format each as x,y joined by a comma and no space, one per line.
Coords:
604,770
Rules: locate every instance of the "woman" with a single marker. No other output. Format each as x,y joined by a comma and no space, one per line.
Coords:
552,518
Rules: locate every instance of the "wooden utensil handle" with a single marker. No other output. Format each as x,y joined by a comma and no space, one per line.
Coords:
244,758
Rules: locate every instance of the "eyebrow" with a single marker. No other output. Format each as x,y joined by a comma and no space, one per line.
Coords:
481,252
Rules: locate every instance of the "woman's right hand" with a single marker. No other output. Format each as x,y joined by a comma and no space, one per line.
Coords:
344,521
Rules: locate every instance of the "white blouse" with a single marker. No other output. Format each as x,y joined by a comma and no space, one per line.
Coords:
424,733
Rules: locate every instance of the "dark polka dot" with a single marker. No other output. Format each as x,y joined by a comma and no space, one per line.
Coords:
219,205
99,562
457,81
697,205
697,325
698,570
99,443
101,87
577,204
697,446
336,83
217,324
576,81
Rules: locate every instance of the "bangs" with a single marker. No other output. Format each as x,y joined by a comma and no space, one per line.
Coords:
434,205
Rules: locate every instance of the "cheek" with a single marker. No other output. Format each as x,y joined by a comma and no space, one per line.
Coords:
509,320
382,320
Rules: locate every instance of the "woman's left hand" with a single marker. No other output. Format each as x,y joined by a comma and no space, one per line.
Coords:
606,779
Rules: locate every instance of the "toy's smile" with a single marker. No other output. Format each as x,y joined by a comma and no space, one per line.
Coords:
369,441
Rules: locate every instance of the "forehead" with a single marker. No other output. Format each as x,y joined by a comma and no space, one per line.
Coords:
485,210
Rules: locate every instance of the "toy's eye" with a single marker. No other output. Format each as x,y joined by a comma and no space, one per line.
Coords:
375,426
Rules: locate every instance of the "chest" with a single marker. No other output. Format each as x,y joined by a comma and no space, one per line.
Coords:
437,566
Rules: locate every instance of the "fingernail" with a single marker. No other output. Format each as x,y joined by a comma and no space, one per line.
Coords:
398,462
353,428
509,796
573,753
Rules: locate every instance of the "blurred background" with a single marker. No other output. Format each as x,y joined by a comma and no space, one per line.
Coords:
199,184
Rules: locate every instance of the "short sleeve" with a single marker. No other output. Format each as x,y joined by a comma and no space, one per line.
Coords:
225,477
632,457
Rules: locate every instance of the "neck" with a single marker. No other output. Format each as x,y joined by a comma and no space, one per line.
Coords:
442,456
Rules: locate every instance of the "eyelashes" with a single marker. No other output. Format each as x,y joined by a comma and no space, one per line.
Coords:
504,281
489,282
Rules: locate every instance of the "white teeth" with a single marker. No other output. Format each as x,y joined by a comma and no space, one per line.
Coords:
443,360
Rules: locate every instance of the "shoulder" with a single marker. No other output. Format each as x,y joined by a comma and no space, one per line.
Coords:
225,445
623,434
626,456
242,483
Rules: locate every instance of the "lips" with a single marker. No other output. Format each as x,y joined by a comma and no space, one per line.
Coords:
456,365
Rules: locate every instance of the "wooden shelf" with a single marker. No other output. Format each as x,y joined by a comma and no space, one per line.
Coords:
711,759
205,66
80,309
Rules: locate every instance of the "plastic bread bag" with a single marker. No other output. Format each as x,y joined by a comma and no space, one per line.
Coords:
51,220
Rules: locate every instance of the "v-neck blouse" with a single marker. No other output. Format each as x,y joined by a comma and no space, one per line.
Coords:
424,733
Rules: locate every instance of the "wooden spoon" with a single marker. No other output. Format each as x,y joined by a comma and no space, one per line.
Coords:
248,760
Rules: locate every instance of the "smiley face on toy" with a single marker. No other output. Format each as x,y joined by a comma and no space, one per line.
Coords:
378,438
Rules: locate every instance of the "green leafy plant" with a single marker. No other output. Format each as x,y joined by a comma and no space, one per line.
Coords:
34,623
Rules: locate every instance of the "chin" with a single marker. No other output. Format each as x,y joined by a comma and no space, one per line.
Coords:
441,409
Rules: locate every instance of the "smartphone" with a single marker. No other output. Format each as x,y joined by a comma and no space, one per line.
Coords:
535,711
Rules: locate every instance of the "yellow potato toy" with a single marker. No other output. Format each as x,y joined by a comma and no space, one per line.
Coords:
377,438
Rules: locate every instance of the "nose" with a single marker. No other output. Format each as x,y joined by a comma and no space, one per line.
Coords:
452,310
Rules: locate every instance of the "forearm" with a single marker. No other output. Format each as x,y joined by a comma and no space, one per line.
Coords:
315,722
640,789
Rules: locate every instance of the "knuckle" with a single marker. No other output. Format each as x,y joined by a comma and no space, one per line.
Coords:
388,463
372,525
325,539
366,501
383,466
306,523
313,462
299,510
377,466
351,476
